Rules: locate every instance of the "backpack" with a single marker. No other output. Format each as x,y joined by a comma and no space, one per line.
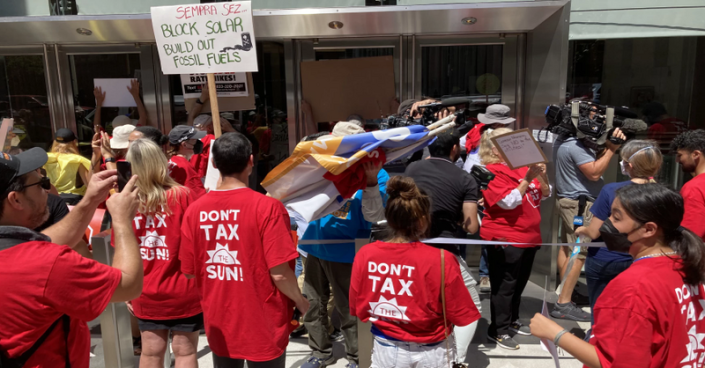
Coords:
19,362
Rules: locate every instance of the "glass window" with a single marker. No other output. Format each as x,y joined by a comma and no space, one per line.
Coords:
474,71
659,79
23,97
84,69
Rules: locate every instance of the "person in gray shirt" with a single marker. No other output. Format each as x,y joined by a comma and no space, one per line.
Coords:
578,181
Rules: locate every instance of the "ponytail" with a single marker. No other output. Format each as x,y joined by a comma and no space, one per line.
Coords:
408,209
664,207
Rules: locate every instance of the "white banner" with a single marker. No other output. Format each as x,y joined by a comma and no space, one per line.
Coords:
205,38
227,84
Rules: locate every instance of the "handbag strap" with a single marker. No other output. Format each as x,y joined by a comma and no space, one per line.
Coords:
443,303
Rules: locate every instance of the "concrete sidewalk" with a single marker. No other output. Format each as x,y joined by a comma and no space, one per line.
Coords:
481,353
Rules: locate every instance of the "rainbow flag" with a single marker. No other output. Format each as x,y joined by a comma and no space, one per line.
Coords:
308,181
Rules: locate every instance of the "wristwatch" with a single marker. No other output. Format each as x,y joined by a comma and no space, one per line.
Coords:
198,101
109,159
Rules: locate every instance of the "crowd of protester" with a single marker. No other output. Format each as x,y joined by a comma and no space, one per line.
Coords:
227,260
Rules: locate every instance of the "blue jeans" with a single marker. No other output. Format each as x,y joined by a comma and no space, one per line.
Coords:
299,266
598,274
484,270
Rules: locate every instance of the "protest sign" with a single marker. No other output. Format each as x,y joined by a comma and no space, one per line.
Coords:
227,84
519,149
546,344
6,134
116,92
205,38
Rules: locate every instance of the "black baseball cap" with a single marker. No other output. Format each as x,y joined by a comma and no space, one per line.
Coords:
64,135
181,133
13,166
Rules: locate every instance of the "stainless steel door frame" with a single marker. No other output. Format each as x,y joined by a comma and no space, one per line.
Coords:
510,72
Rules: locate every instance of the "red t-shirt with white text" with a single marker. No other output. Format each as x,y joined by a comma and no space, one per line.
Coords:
648,317
230,240
521,224
166,293
396,286
693,193
41,282
181,170
200,161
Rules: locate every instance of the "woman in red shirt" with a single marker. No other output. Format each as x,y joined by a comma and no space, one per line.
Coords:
184,142
652,314
396,285
512,214
169,301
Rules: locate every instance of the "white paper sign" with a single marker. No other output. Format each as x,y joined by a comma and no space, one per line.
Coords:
212,174
519,149
546,344
205,38
227,84
116,92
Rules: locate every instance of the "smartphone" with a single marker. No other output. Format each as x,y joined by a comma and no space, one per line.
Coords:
124,170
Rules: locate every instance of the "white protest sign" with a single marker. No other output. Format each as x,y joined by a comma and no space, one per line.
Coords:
116,92
519,149
227,84
547,344
212,174
205,38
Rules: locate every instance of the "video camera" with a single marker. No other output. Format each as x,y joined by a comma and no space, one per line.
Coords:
482,176
591,122
430,111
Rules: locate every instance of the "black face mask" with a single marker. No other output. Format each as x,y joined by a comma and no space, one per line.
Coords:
614,240
198,147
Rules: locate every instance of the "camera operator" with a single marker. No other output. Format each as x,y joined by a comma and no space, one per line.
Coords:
454,195
578,182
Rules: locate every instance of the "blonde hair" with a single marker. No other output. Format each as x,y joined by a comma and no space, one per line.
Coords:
644,156
70,147
486,155
152,170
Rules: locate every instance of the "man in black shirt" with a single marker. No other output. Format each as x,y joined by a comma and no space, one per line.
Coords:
454,195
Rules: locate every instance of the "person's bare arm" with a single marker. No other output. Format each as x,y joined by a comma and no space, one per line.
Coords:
96,144
594,170
127,259
84,174
106,151
196,108
470,223
134,89
64,232
99,99
82,249
285,280
592,231
543,179
372,202
544,328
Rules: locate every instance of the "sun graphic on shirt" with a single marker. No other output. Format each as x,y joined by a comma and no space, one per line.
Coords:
221,254
389,309
695,345
152,239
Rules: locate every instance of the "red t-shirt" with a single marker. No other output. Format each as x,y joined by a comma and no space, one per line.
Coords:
200,161
521,224
648,317
42,281
166,293
693,193
181,170
397,288
230,240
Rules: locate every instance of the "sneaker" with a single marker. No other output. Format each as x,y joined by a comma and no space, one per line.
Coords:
505,341
485,284
337,335
351,365
570,311
520,328
314,362
579,299
298,332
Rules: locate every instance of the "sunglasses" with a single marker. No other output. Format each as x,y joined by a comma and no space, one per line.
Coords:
44,182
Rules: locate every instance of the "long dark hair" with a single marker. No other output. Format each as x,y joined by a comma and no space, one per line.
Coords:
664,207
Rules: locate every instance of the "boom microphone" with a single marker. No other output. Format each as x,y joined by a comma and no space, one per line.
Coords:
632,126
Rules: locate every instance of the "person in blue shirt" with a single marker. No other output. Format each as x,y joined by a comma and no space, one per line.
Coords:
641,161
329,266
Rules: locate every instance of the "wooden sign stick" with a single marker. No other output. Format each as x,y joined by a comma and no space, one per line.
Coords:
215,113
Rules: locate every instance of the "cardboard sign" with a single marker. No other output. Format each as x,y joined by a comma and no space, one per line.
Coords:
519,149
116,92
5,134
205,38
227,84
335,89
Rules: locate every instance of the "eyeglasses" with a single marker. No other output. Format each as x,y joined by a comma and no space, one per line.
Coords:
44,182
